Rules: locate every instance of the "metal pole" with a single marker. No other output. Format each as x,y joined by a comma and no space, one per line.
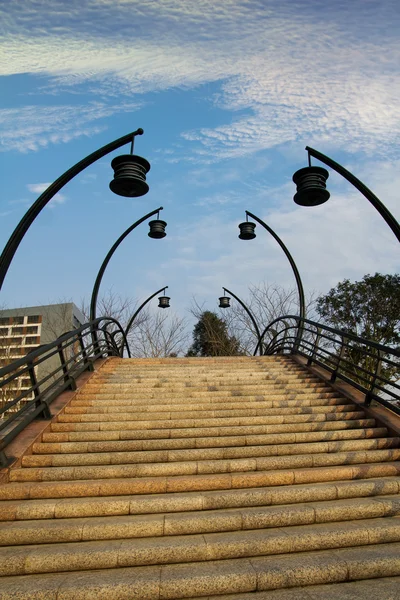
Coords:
295,271
105,262
16,237
366,192
250,315
140,308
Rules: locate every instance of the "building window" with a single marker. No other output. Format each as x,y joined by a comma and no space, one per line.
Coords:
18,320
31,330
31,340
17,331
34,319
13,341
4,320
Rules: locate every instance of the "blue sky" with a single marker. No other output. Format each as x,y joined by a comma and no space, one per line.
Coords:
229,93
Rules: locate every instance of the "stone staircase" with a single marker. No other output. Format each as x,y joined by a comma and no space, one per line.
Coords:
213,478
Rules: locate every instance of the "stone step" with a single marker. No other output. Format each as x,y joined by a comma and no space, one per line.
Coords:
274,497
194,381
125,457
132,413
187,483
62,447
51,531
281,376
205,433
204,401
384,588
244,466
201,384
102,406
205,417
113,553
212,424
234,576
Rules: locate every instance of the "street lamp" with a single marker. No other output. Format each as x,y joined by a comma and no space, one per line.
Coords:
129,180
311,187
247,232
132,319
224,303
157,231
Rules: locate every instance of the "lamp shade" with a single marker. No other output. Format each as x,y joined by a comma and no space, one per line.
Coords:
224,302
157,229
247,230
129,176
163,301
311,186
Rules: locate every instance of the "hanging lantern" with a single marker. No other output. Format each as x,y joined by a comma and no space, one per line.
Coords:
129,176
163,301
157,229
224,302
311,186
247,230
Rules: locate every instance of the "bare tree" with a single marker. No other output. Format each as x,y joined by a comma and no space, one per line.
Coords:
120,308
159,335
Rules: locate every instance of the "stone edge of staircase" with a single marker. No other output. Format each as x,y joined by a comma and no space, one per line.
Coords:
384,416
23,442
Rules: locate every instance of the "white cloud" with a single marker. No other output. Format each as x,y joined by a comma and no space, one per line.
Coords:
300,69
39,188
34,127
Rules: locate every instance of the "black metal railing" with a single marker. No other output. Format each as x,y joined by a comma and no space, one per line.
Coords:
51,369
370,367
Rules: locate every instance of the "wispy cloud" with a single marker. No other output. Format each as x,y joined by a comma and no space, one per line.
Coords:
35,127
39,188
294,70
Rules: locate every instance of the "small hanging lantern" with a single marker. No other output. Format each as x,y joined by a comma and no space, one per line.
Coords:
311,186
130,174
163,301
224,302
157,229
247,230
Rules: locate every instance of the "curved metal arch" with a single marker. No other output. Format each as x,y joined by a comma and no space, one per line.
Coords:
107,259
16,237
361,187
130,323
296,273
246,308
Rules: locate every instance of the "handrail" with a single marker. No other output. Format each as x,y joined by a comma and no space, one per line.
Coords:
51,368
365,364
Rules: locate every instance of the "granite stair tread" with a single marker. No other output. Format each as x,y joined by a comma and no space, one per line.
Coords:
228,477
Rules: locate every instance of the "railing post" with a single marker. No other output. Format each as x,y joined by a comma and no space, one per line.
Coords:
67,378
378,368
86,360
341,354
315,348
31,370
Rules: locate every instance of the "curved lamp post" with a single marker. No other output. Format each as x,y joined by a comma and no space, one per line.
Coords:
157,231
311,187
247,233
129,180
224,303
163,302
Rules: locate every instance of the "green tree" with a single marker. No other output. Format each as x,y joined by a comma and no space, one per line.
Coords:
211,337
369,308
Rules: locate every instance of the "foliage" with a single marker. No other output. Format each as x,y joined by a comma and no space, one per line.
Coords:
211,337
369,308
